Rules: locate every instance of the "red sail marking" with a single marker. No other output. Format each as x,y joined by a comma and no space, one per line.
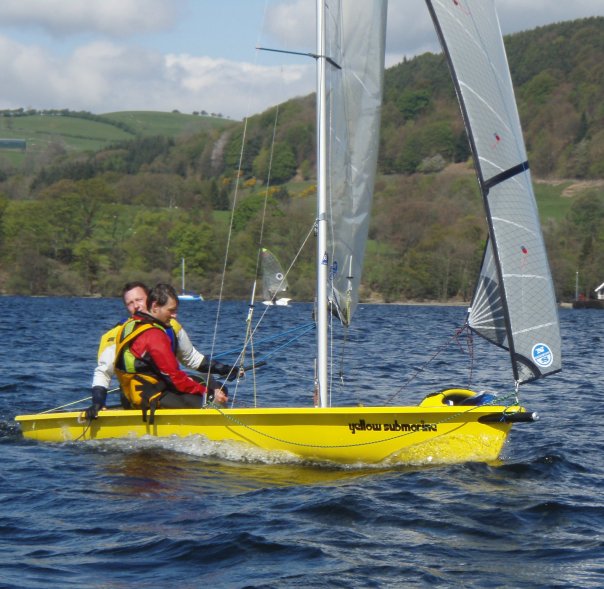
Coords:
497,140
460,5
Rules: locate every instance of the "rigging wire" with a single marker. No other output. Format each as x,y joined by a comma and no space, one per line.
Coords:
463,410
87,398
248,340
248,331
250,328
456,337
267,191
235,200
229,238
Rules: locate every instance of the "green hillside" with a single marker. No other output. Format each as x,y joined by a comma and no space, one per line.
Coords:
76,132
558,72
102,199
171,124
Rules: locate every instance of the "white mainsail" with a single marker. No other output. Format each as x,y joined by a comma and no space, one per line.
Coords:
355,32
514,305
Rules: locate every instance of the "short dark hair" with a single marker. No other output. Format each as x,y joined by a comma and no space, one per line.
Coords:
130,285
160,294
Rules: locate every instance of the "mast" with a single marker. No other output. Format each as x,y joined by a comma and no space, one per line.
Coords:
182,274
322,256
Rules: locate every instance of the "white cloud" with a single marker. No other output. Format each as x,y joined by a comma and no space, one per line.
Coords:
411,32
233,88
519,15
292,25
103,77
110,17
112,70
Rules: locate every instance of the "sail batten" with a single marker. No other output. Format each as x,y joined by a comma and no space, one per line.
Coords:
513,223
514,304
507,174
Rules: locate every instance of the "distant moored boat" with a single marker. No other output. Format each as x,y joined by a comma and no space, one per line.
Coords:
184,295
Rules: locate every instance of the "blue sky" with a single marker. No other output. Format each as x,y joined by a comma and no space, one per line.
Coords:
108,55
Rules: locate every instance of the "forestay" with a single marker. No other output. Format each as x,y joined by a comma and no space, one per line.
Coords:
514,305
355,37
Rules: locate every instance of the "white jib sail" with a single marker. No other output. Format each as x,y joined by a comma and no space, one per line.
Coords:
514,305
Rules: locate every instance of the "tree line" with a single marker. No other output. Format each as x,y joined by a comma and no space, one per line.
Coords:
87,237
84,223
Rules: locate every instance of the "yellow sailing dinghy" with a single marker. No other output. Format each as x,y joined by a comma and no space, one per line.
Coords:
513,306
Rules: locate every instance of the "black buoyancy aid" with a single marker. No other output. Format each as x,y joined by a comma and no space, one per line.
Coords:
139,379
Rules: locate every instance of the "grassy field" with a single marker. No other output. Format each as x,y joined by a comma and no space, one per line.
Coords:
551,201
73,133
167,123
81,134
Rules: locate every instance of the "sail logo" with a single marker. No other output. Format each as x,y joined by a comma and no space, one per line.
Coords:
542,355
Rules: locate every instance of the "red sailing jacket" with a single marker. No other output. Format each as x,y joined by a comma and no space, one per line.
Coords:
155,345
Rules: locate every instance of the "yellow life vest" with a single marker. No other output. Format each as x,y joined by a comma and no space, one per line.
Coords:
109,337
139,382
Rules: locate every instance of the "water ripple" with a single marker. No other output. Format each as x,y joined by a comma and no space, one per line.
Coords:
188,513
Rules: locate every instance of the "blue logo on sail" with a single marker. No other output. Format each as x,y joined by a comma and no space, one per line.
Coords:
542,355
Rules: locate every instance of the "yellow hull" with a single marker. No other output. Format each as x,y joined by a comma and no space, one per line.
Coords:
428,433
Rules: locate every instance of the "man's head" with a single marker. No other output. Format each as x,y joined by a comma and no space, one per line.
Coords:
163,302
134,295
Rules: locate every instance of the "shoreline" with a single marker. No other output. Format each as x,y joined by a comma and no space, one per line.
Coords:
562,305
418,303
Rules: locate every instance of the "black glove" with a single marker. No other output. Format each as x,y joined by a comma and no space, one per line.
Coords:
99,398
218,368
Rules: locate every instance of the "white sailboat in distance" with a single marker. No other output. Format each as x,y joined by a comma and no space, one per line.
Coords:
184,295
274,281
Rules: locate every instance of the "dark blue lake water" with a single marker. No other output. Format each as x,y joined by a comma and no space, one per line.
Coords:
188,513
